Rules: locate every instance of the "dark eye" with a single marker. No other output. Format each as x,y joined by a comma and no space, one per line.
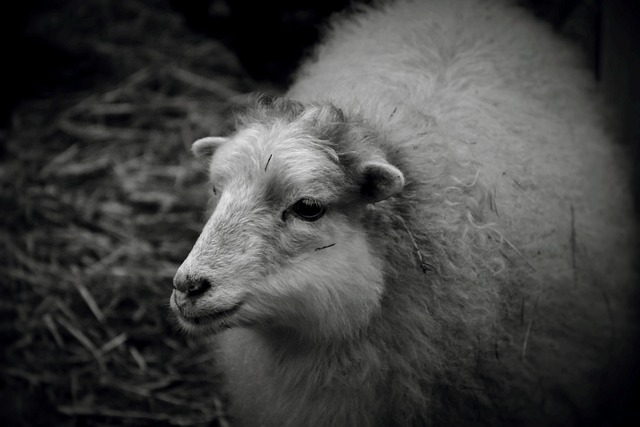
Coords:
214,190
308,209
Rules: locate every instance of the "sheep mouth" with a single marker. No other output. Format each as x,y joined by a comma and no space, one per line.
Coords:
209,319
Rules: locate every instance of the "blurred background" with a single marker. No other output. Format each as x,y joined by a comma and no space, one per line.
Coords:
100,200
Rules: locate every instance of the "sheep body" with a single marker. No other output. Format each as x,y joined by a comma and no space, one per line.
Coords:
493,286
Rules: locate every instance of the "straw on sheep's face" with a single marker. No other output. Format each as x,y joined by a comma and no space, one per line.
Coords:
284,246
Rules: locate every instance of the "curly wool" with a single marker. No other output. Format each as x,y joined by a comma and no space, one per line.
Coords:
507,258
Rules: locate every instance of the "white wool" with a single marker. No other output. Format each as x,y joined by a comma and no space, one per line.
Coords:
493,285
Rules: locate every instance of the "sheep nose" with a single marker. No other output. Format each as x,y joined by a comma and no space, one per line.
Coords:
190,286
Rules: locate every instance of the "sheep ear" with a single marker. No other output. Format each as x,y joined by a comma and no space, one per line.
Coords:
205,147
380,180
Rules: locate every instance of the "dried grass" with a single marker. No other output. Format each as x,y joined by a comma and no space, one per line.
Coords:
101,201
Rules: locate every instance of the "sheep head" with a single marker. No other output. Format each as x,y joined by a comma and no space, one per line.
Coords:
286,245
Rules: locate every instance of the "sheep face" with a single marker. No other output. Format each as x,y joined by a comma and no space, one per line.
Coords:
284,247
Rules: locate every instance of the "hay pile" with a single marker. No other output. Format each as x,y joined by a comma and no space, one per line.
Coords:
101,202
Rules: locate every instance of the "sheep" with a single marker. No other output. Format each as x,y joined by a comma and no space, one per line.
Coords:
432,227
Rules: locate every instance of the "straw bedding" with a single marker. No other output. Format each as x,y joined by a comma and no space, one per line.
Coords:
100,202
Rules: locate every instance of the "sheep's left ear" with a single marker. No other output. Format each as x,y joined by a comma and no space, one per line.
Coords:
205,147
380,180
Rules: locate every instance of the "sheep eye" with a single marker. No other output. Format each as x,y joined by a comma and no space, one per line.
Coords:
214,190
308,209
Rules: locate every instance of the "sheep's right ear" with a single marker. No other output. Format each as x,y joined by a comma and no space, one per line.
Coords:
205,147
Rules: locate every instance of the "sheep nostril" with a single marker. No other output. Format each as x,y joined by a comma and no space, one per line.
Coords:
190,286
197,287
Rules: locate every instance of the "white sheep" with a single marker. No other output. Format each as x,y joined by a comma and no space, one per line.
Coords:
437,231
